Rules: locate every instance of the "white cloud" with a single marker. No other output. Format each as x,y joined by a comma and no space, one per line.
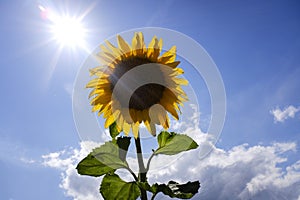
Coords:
79,187
282,115
74,185
243,172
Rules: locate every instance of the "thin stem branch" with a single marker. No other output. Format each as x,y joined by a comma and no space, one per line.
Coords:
142,170
149,160
132,173
153,196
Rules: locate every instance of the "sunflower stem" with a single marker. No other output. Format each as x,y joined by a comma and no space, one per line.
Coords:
142,170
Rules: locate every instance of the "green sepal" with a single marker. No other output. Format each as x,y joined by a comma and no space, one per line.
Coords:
123,144
113,131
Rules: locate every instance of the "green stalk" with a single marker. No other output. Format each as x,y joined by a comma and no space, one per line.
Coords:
142,171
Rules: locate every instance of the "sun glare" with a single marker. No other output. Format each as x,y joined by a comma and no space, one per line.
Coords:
66,30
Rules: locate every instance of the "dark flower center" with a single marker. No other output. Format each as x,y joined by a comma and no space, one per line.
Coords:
146,95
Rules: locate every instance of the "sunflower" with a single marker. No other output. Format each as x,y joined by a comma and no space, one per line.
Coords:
148,103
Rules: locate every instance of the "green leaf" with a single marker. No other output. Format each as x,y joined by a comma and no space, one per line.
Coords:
145,186
113,130
123,143
173,189
92,167
108,154
102,160
114,188
173,143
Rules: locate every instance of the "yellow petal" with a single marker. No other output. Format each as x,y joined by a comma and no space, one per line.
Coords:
101,99
181,81
105,59
126,128
97,107
154,113
162,119
116,114
171,52
170,108
116,51
143,46
111,119
108,56
150,49
126,115
154,48
134,44
176,107
120,122
96,70
157,49
180,103
105,87
139,45
94,92
179,90
107,113
104,49
135,129
105,108
151,128
184,95
182,98
165,59
179,70
152,42
92,83
123,45
167,123
119,129
173,64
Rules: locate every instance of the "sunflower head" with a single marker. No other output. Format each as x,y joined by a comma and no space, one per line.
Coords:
136,84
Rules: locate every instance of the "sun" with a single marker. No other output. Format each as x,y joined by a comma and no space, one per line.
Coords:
68,31
65,29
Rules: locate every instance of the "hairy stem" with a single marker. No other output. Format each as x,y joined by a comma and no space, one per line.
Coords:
142,170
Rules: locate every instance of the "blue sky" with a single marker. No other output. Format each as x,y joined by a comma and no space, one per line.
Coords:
255,45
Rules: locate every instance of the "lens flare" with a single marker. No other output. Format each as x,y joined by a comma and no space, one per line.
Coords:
66,30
